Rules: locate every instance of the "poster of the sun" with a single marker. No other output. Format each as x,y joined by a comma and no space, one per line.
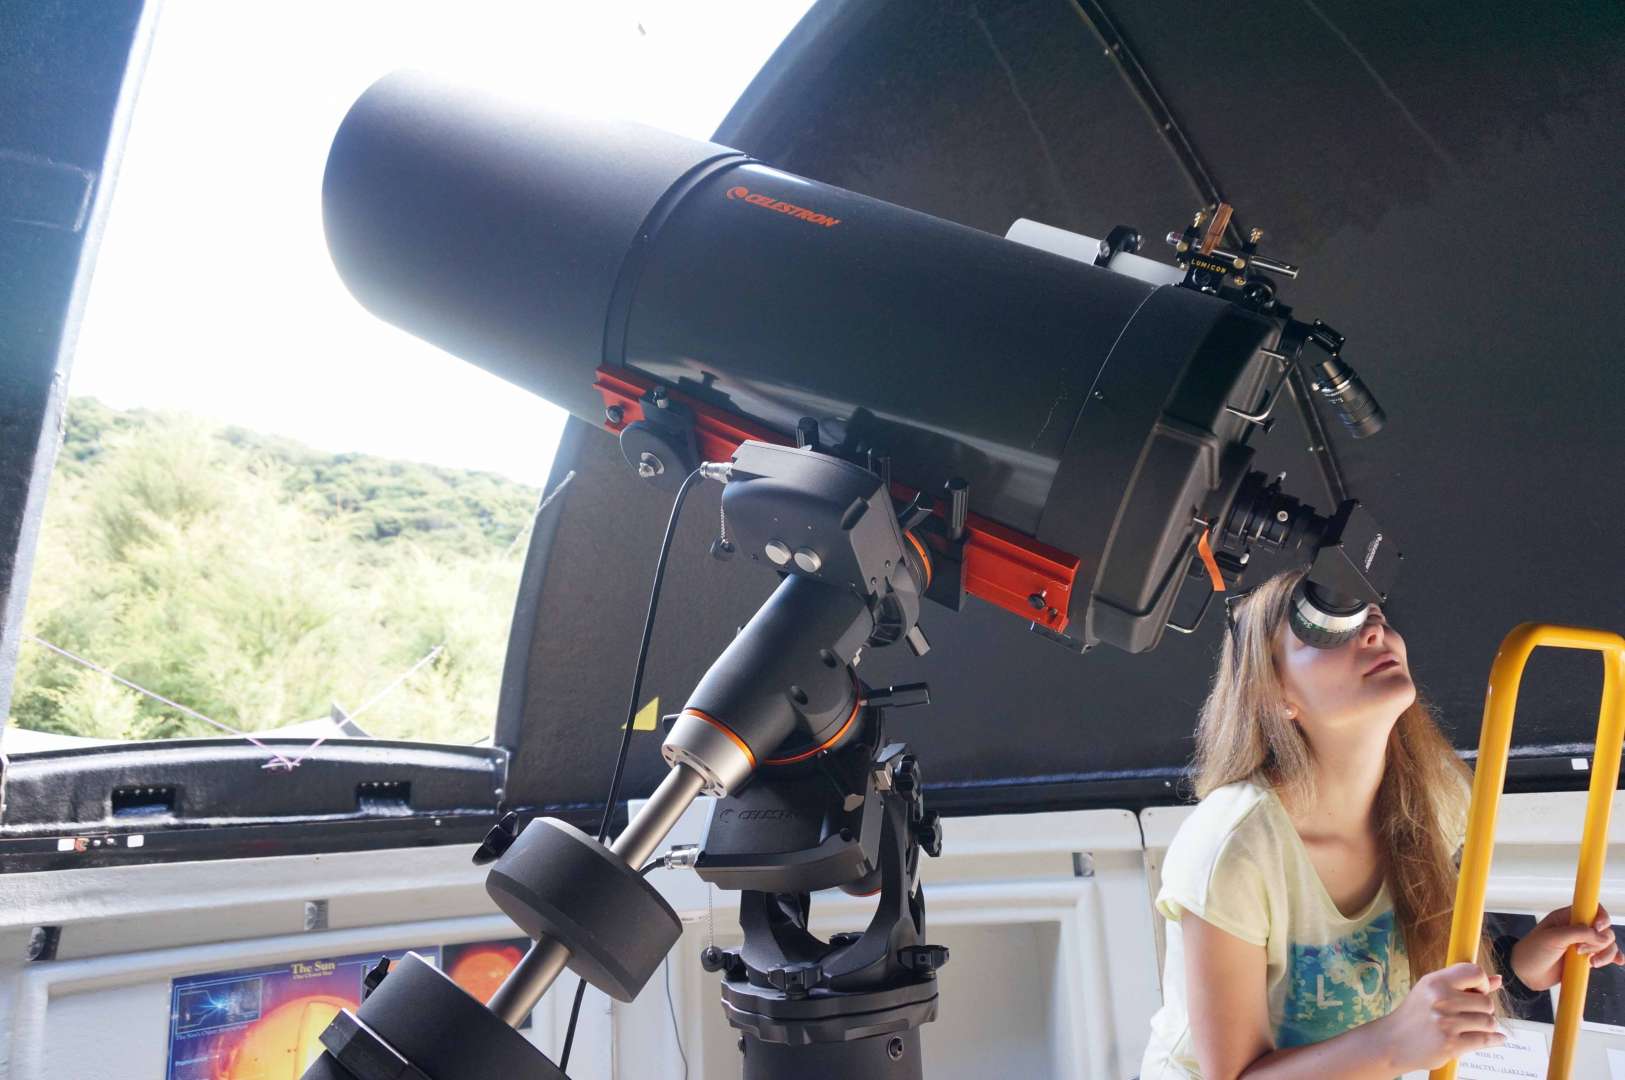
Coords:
266,1023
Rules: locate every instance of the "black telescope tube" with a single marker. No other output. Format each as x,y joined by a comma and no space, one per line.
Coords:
493,231
1079,405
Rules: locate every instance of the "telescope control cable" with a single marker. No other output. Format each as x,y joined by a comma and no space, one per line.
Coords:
626,732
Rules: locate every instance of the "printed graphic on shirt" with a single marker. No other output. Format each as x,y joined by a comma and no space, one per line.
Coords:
1352,981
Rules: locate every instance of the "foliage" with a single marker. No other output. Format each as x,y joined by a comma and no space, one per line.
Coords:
258,582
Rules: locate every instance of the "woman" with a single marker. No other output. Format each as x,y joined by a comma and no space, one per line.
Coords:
1308,896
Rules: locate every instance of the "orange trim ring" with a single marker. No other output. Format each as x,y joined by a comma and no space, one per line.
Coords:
726,730
925,558
829,742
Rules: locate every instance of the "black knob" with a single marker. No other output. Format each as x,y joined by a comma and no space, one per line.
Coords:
929,833
498,840
923,959
907,777
370,982
796,980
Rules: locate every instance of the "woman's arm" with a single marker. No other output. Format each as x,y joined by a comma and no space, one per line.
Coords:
1447,1013
1537,960
1227,1000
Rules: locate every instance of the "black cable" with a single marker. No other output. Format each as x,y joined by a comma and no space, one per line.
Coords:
626,732
570,1032
581,993
643,654
671,1007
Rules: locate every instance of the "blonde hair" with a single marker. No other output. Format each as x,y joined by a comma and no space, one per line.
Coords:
1421,803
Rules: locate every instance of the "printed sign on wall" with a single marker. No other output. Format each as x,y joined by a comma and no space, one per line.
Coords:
265,1023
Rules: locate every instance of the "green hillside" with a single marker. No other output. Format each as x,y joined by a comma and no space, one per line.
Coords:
259,582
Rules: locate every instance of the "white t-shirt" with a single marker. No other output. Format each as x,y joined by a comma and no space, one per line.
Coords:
1238,863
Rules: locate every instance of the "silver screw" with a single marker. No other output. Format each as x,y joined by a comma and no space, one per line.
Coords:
778,551
808,560
649,465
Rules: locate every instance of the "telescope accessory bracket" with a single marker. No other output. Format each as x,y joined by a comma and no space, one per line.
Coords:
661,447
1242,277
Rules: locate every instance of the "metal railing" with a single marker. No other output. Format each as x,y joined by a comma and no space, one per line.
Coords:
1467,924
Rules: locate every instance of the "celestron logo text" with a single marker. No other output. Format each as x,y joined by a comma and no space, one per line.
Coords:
768,202
1371,550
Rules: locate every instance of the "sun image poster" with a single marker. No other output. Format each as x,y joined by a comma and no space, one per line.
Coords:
480,966
263,1023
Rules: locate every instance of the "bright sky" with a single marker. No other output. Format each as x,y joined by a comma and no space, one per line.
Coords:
213,292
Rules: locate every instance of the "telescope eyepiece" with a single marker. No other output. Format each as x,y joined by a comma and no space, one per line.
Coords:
1325,619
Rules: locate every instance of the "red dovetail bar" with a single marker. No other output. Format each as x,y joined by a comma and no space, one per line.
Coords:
1004,567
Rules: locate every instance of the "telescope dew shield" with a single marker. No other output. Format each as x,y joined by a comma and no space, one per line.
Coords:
1085,409
496,233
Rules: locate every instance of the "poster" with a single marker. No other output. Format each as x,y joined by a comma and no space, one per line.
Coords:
265,1023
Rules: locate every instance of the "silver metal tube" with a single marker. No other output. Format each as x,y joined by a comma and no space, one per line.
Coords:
547,959
1274,267
659,815
958,507
526,984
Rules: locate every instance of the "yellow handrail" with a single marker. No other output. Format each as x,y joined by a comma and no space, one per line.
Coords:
1467,924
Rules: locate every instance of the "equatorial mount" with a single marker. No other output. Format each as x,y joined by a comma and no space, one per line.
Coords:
852,1005
780,717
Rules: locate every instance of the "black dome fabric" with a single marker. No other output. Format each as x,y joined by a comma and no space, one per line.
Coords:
1448,176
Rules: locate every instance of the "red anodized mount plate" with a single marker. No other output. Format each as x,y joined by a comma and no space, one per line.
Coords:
1004,567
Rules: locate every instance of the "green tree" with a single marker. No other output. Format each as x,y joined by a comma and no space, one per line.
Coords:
257,582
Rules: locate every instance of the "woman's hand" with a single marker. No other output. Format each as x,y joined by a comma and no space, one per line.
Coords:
1537,960
1448,1013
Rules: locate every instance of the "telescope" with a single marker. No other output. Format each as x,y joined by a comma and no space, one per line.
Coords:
902,410
1079,431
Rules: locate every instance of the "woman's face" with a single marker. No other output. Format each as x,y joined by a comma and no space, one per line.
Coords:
1363,683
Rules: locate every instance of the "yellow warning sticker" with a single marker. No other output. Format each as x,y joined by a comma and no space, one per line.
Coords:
648,717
